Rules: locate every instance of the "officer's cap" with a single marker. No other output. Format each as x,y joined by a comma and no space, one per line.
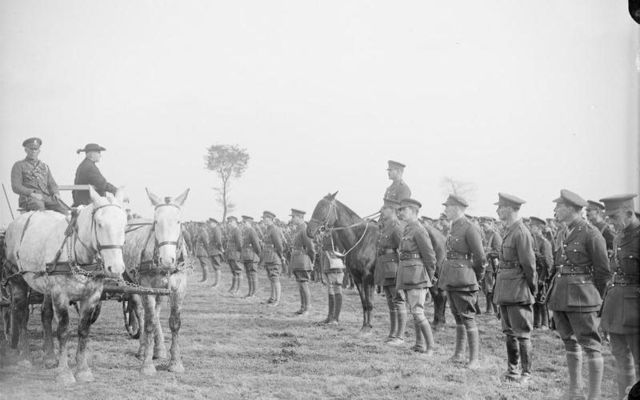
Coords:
232,218
297,213
455,200
509,200
32,143
247,218
594,205
415,204
390,203
268,214
214,221
91,147
570,198
613,204
395,165
537,221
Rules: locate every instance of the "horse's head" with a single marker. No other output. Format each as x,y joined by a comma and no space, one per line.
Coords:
167,222
324,215
108,222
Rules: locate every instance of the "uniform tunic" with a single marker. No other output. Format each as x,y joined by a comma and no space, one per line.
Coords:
465,261
272,249
215,241
202,241
607,233
417,259
32,176
232,249
302,252
516,281
492,250
387,246
88,173
250,248
397,191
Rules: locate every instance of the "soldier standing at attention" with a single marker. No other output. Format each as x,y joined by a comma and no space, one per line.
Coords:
580,275
439,244
32,180
332,268
516,287
202,248
215,248
232,253
416,272
595,216
462,271
387,268
88,173
250,253
492,247
398,189
272,256
544,260
302,254
621,308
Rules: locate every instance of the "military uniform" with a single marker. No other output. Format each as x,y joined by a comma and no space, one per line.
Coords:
215,249
232,254
516,282
332,268
416,273
271,258
602,225
492,246
201,249
88,173
439,244
580,274
461,272
621,307
544,260
399,189
250,253
302,254
30,176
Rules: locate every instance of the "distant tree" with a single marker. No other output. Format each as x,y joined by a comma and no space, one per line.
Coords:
228,161
450,185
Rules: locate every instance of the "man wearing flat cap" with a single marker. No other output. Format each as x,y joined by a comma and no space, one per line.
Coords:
516,285
250,253
232,249
398,189
215,249
303,254
88,173
580,275
416,272
461,273
544,260
32,180
621,308
595,215
272,255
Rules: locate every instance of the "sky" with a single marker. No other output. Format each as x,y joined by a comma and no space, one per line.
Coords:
519,97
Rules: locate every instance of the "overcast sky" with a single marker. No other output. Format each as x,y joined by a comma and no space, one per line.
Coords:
520,97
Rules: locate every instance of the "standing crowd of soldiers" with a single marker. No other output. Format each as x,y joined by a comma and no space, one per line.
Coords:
585,271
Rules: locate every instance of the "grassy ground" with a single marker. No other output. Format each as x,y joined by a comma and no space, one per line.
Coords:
242,349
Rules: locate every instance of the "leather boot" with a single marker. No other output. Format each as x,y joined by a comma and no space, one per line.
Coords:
337,307
425,329
393,325
301,310
402,322
216,277
476,306
439,310
332,301
205,273
419,346
250,284
489,307
233,283
237,288
544,313
596,370
512,359
525,359
254,281
574,364
461,340
473,338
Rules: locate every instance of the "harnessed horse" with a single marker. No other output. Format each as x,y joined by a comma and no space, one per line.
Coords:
356,237
67,260
152,254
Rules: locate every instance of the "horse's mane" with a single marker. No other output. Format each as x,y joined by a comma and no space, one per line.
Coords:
350,212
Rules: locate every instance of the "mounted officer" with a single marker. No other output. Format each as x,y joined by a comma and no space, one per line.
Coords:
621,308
580,275
32,180
302,254
398,189
272,255
232,253
516,287
544,260
461,273
250,253
215,248
88,173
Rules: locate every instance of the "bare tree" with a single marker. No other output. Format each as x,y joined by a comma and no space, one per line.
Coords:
450,185
228,161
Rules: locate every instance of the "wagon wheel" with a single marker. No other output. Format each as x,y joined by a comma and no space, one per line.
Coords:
131,322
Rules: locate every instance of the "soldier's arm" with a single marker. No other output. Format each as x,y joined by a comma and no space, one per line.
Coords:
597,249
496,243
255,242
16,181
527,258
474,241
308,245
426,251
276,238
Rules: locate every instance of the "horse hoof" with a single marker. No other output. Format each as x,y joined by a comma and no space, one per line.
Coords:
84,376
50,362
176,367
148,370
65,378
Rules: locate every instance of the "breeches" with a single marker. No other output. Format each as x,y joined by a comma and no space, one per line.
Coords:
578,328
415,300
463,305
250,266
273,271
302,276
235,267
517,320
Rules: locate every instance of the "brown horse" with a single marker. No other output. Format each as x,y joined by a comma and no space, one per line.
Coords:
356,238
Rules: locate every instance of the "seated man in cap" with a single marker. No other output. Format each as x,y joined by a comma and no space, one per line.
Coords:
88,173
398,189
32,180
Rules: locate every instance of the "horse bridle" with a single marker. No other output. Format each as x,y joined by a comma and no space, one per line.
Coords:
324,225
95,230
167,242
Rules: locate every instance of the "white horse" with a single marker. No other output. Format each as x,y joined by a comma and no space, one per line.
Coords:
66,259
151,254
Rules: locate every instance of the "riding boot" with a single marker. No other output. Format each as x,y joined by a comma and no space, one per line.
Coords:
625,373
596,370
393,324
238,279
512,358
419,346
544,313
254,281
489,307
473,338
461,340
331,306
574,364
525,359
249,284
402,322
439,310
537,316
337,307
216,277
425,330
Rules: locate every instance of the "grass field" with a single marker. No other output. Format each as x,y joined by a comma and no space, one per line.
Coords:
241,349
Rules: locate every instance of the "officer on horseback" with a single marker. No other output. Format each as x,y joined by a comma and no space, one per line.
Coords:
398,189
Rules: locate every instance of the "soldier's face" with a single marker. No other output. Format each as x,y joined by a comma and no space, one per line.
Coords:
452,212
620,219
592,216
504,212
32,153
392,173
562,212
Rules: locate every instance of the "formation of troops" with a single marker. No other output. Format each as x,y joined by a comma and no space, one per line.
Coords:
579,275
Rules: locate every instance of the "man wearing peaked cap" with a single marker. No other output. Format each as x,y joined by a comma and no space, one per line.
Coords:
461,273
250,253
88,173
580,275
33,181
621,308
233,246
399,189
595,215
272,256
516,285
302,255
296,212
